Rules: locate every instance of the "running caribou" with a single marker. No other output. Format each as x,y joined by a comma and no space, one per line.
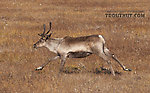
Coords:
75,47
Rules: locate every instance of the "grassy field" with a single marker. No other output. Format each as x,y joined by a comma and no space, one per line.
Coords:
127,38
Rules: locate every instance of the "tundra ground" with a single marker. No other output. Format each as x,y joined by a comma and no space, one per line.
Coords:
127,38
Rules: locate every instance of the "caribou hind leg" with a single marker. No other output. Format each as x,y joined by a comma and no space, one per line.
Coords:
107,52
106,58
111,68
123,67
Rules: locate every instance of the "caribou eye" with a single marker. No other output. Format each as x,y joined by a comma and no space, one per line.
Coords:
40,40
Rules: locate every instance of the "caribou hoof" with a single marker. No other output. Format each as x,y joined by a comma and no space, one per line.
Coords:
127,69
39,68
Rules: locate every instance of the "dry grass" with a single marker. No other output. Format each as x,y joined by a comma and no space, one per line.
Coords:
128,38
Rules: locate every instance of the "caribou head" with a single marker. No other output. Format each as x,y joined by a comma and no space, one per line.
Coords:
44,37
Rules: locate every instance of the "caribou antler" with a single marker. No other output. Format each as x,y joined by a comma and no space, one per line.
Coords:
50,27
43,34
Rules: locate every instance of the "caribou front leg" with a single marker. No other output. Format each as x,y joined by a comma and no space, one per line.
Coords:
43,65
63,60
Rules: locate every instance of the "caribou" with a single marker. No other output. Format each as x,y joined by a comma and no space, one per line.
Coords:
75,47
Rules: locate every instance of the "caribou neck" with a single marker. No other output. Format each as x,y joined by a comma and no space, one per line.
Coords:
53,44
